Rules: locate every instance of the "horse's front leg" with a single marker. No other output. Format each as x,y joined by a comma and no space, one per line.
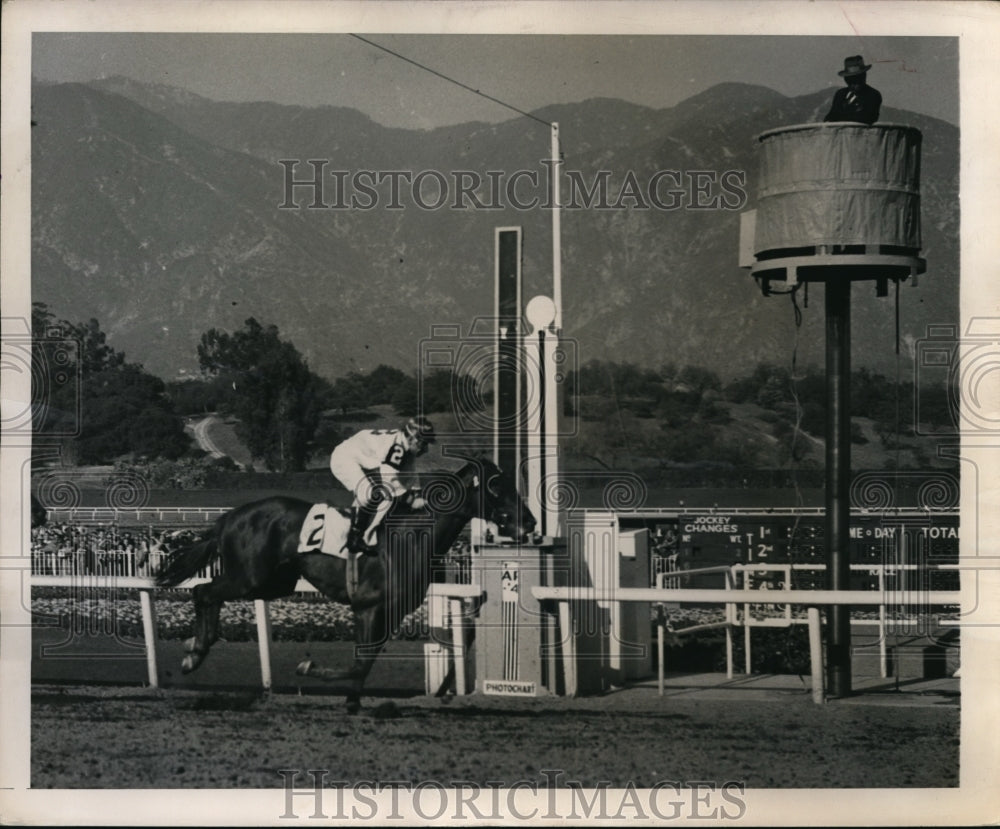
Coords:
370,637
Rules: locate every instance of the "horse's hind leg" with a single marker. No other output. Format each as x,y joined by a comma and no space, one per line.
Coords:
208,600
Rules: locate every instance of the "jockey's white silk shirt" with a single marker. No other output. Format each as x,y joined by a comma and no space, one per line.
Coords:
381,449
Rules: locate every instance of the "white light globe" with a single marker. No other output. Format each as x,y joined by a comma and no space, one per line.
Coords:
540,311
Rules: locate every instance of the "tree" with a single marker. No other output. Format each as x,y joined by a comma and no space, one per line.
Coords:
115,407
699,379
404,399
126,412
199,396
276,397
382,383
348,393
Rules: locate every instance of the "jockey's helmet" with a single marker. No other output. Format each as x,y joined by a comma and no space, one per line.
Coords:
419,431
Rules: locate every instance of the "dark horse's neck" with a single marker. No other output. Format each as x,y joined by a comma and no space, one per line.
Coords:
418,544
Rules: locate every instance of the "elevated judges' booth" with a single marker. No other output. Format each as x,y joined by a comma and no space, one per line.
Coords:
837,195
838,203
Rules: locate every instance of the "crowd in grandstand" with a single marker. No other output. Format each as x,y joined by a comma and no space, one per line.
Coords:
76,549
111,550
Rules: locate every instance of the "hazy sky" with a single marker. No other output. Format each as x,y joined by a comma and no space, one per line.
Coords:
527,71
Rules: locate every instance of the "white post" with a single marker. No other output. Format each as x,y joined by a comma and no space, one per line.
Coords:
534,362
731,619
458,645
263,618
542,414
883,655
729,651
556,229
149,634
816,654
661,621
551,343
746,639
568,648
550,428
660,650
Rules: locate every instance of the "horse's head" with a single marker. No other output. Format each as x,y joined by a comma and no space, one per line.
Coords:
498,500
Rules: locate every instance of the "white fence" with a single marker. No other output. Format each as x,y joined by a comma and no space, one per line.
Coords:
453,598
729,598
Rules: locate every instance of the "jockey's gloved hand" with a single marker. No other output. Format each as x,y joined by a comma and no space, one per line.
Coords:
413,499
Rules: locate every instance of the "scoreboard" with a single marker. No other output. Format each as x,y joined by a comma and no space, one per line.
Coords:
903,543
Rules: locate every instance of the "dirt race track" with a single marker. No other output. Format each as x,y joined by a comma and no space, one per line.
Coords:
218,736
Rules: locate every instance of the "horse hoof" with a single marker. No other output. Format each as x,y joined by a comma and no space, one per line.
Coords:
189,645
353,706
304,667
190,662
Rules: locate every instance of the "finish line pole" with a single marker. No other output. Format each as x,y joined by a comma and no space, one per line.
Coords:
838,477
556,230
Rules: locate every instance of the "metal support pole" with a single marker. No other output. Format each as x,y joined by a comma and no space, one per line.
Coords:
838,477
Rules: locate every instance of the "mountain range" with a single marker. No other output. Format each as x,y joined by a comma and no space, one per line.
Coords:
159,213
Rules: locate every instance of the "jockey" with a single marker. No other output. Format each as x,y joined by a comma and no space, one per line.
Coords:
368,464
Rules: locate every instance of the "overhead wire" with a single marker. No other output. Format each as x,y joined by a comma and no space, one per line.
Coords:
451,80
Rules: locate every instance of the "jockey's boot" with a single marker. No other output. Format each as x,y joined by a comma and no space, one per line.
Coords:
359,526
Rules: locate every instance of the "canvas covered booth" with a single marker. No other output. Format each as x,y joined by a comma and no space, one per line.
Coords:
840,195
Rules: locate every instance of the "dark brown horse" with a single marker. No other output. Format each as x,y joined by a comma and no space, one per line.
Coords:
258,545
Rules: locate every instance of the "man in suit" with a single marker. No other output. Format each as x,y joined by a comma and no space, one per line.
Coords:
857,101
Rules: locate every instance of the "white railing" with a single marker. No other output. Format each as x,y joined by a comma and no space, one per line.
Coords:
896,597
456,611
455,599
811,599
136,515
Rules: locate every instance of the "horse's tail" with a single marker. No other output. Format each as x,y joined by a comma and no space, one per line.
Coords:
186,562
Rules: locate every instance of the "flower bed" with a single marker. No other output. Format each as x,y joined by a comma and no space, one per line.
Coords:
304,619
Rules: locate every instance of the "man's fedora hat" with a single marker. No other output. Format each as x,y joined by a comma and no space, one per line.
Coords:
854,65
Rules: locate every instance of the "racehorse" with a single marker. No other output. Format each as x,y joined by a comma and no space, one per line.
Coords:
258,545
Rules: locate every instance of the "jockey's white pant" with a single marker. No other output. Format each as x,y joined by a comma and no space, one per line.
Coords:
364,484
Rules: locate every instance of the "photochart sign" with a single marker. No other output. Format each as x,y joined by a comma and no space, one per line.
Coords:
129,198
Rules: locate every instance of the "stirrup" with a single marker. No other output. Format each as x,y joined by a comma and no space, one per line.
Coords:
365,548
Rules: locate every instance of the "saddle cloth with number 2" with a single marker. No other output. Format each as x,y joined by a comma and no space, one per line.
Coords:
325,530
